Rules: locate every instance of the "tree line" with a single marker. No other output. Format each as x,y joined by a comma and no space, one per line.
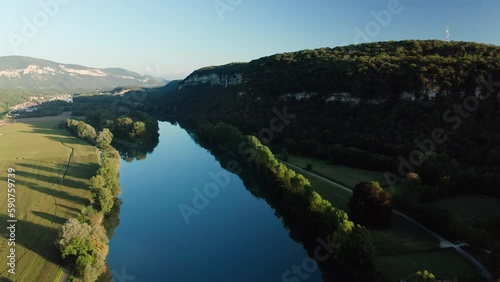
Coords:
88,133
83,241
135,131
292,196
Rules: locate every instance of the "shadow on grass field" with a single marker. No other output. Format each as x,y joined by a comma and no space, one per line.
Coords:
347,176
68,182
49,130
69,208
50,217
344,175
44,200
29,235
76,169
56,193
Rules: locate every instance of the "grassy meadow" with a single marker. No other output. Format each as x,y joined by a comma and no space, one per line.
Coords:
48,192
400,250
472,207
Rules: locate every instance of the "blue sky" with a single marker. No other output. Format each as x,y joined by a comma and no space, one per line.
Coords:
171,38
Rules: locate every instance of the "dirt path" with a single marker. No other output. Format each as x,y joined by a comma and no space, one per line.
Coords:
443,243
69,159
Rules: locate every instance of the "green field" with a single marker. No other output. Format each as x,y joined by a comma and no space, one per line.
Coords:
344,175
472,207
441,262
347,176
400,250
44,199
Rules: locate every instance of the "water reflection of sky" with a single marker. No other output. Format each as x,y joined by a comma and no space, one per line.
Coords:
235,238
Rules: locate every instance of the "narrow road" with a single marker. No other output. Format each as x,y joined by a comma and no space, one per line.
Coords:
443,243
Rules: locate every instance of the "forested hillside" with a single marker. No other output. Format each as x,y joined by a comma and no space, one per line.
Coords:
374,70
363,105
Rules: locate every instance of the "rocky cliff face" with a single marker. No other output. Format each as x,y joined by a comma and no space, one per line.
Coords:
225,80
213,79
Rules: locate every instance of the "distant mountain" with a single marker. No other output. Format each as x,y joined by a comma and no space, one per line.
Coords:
39,75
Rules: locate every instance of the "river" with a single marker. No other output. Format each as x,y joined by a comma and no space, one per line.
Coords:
232,236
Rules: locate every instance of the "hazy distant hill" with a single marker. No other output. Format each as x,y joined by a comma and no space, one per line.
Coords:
33,74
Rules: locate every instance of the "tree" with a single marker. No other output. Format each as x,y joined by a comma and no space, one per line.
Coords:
435,166
138,130
123,126
81,130
72,229
104,138
309,167
106,276
422,276
91,272
75,243
106,199
85,246
109,171
105,186
86,132
354,251
112,219
230,136
370,205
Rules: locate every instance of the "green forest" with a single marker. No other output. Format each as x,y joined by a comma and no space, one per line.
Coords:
135,132
368,134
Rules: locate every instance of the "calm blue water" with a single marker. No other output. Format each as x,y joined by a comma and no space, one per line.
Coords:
236,237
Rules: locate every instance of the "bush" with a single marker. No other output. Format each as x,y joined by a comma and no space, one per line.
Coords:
370,205
422,276
85,247
309,167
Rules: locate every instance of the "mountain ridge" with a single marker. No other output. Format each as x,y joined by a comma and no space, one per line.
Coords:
369,70
39,75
